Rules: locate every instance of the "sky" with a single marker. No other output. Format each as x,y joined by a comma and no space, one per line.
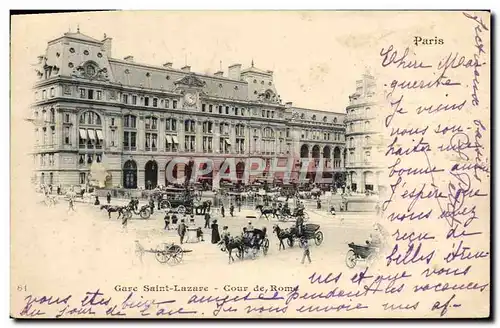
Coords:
316,60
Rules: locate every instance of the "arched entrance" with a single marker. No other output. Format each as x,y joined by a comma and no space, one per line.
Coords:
327,163
336,157
151,175
304,151
316,152
130,175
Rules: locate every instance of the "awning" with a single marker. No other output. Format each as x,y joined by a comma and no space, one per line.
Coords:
83,134
174,138
169,139
91,134
99,135
227,141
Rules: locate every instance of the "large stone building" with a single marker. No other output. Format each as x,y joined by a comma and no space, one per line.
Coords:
91,110
363,138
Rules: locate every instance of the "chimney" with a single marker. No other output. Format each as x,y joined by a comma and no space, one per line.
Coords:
129,58
168,65
234,72
219,73
186,68
106,45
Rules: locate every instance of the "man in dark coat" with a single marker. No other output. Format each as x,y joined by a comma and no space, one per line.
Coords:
181,230
222,210
108,197
231,210
207,220
151,204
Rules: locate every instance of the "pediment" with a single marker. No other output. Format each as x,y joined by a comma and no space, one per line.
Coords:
190,80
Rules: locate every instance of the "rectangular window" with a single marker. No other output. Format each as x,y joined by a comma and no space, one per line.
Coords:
236,111
220,109
112,121
126,140
227,109
203,107
44,94
210,108
52,92
99,95
113,138
83,179
66,118
82,93
91,94
167,103
134,100
146,101
67,138
155,102
133,136
174,104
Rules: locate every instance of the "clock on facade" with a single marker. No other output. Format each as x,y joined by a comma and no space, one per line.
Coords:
190,99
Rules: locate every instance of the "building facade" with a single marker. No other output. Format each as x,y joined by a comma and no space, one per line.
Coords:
363,136
94,111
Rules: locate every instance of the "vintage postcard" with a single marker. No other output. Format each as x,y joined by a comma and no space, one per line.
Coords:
251,164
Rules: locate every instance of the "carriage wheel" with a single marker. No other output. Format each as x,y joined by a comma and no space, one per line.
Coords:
176,254
145,213
318,238
265,246
289,241
162,254
165,204
181,209
350,259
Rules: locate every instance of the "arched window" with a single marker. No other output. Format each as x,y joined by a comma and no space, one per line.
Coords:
313,117
351,142
189,126
207,127
302,116
151,123
44,116
367,140
130,121
130,175
170,124
334,120
324,119
90,118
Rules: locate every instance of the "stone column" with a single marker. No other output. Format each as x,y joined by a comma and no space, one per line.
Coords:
199,137
216,138
141,137
160,140
361,182
180,133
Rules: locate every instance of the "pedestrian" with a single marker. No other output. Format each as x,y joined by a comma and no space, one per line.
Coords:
222,210
167,220
97,202
124,222
207,220
199,234
174,221
304,244
181,230
71,205
108,197
239,205
231,210
215,233
151,204
59,189
318,204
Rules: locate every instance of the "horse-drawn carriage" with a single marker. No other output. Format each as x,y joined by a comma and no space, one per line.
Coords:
359,253
251,242
292,234
179,200
164,253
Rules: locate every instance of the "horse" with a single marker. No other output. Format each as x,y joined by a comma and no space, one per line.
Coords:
233,243
283,234
266,211
112,209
